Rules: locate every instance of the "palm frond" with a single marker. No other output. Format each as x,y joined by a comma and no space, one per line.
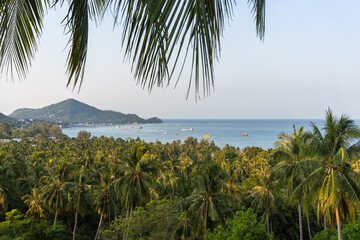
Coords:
258,9
20,28
159,35
77,24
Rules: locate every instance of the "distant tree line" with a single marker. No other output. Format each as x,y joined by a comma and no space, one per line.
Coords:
36,129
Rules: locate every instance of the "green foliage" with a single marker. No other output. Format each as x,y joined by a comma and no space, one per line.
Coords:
40,130
159,219
83,135
5,131
244,226
326,234
19,226
351,230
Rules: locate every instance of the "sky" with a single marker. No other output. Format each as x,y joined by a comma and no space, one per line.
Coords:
308,61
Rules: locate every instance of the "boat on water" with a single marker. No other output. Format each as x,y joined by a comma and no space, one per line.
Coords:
206,136
245,134
124,129
116,126
176,134
140,127
184,130
164,133
156,129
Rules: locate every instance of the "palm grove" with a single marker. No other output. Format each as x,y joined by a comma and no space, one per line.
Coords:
307,187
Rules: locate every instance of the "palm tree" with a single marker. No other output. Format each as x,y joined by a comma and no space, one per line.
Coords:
155,35
293,167
81,197
6,185
338,133
264,200
134,186
55,195
185,163
333,184
105,198
208,198
336,188
167,183
34,202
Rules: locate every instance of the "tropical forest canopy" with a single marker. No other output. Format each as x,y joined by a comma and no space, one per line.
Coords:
307,186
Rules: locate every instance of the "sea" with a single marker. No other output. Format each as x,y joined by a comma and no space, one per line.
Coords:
260,132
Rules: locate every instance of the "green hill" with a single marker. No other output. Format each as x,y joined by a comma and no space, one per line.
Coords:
11,121
72,111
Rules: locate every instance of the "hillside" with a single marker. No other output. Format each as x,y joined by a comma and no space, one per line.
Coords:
72,111
4,118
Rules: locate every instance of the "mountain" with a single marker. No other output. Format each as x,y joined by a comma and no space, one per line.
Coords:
72,111
4,118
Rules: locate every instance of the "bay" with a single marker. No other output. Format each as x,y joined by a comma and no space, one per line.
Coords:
261,132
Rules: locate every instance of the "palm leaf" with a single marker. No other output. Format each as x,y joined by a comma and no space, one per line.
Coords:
158,34
77,24
20,27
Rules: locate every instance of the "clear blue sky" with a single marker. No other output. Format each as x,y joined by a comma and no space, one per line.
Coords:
310,60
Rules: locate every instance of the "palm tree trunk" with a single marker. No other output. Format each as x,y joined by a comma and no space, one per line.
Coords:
76,216
300,221
325,219
338,223
308,223
267,223
97,232
56,213
128,227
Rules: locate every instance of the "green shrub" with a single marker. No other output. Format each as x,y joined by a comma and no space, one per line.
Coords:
326,234
244,226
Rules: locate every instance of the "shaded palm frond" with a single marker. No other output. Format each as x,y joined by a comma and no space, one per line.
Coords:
20,28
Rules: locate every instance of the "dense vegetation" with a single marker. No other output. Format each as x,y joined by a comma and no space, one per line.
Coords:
4,118
32,130
72,111
106,188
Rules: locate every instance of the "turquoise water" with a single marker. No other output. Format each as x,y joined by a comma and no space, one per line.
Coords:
261,133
